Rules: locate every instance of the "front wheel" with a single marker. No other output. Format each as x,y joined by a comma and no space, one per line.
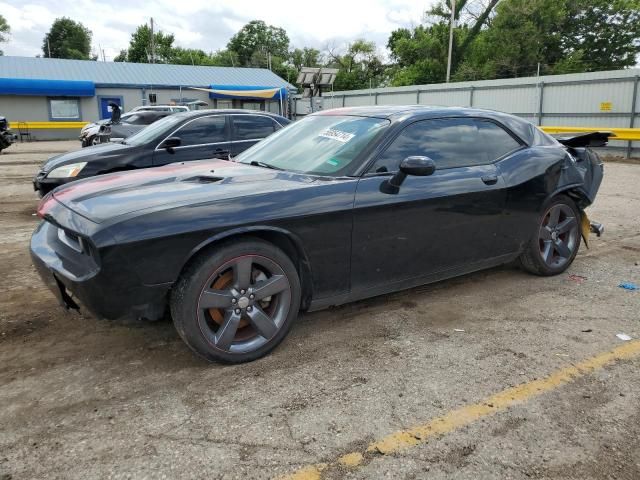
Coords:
237,303
555,244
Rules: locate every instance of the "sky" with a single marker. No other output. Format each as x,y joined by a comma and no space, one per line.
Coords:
207,24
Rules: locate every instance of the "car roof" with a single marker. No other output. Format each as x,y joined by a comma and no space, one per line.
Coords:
226,111
521,127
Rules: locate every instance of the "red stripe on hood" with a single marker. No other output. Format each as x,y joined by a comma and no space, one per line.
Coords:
142,176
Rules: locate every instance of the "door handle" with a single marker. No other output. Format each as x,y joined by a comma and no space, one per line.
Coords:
491,179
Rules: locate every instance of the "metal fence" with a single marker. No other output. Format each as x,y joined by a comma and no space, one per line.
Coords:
604,100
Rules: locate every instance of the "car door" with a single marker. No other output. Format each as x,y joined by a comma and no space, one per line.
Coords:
450,219
247,130
200,138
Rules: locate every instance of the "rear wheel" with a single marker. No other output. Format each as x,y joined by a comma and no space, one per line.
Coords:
555,244
238,303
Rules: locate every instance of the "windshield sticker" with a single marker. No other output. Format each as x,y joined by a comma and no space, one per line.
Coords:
342,137
333,162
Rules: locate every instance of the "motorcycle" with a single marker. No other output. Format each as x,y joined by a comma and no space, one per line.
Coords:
7,137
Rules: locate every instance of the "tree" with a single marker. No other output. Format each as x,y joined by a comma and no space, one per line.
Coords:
139,50
602,34
559,36
4,31
67,39
522,34
420,54
256,41
359,67
305,57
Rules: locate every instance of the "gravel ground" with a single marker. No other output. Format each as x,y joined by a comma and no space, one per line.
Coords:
85,398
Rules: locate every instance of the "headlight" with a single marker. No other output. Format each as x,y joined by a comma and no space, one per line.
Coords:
67,171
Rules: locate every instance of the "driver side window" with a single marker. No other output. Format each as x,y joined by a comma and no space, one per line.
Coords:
450,142
203,130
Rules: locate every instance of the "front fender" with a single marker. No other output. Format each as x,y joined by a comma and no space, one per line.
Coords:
292,246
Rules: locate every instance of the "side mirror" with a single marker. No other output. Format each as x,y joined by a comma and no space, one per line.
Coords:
171,143
416,165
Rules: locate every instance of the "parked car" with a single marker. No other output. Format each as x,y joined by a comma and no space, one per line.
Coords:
178,137
162,108
342,205
116,132
129,123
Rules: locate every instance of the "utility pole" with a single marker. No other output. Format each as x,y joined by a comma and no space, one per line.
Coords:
153,44
49,47
453,21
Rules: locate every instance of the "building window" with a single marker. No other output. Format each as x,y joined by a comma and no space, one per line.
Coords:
251,106
64,108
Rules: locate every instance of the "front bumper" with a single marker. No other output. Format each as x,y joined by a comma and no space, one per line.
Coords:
78,281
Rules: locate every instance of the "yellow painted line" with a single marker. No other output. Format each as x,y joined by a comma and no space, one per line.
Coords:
626,134
351,459
46,125
403,439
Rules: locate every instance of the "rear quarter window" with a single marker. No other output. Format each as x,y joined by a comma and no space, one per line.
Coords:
252,127
495,141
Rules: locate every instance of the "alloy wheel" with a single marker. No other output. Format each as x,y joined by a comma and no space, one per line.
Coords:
558,237
243,304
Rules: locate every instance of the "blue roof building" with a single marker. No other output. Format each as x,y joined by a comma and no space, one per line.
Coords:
55,97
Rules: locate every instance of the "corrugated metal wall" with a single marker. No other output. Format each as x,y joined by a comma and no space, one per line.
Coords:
598,99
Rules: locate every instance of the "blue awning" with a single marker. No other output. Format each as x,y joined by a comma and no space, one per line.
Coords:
50,88
253,92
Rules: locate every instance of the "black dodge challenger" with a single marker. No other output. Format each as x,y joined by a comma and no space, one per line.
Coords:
342,205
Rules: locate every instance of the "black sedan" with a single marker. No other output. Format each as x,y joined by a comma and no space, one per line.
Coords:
176,138
342,205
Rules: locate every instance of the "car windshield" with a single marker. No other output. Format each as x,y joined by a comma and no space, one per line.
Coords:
154,131
320,144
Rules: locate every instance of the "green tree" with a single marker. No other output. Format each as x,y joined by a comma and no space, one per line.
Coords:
359,67
560,36
4,31
601,34
256,41
139,50
420,54
305,57
522,34
67,39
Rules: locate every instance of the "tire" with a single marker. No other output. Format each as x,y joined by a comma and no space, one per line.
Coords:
237,301
556,242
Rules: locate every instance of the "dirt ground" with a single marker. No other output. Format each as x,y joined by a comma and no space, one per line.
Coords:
83,398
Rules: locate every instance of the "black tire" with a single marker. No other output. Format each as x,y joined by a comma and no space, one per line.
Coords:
555,244
202,308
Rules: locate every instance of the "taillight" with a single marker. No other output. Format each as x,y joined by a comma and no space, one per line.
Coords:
45,205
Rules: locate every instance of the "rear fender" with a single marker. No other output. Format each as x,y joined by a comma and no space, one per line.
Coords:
581,175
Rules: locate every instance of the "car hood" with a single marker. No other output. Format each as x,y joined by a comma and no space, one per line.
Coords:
107,197
87,154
